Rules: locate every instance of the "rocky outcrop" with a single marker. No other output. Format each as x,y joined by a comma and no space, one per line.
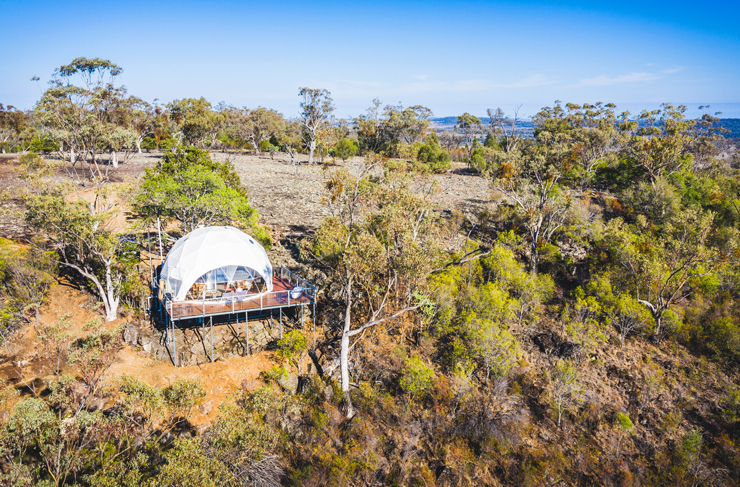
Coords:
193,343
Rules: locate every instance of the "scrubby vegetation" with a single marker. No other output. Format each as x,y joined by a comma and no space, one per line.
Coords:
583,331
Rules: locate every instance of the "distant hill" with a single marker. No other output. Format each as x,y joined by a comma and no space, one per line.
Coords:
526,127
731,124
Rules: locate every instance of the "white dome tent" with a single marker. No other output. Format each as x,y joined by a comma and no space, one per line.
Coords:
224,274
211,255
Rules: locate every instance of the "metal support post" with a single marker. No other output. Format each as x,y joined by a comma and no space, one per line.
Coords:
281,323
174,342
246,319
211,338
314,316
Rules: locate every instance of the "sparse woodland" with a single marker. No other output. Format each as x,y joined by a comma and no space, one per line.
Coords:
583,330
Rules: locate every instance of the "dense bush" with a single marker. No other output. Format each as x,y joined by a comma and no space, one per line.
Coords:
345,149
433,156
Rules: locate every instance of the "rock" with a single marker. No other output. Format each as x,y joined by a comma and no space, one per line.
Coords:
130,334
147,346
206,407
197,348
289,382
329,393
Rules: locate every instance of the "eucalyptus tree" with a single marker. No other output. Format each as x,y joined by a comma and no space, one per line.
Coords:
128,121
469,126
380,243
659,265
407,125
78,114
12,124
530,181
82,234
382,131
188,187
368,130
291,141
590,131
140,118
663,142
504,128
317,107
195,120
253,125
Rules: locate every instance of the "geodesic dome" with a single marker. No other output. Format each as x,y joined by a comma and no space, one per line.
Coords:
214,254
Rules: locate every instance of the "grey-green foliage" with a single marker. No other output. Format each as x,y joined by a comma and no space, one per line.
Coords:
291,348
249,435
565,389
658,201
431,154
62,437
58,445
25,279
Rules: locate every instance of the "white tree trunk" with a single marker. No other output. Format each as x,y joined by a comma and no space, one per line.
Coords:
311,148
72,157
114,159
111,305
344,354
112,311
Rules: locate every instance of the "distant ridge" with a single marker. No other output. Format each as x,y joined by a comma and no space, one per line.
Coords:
526,127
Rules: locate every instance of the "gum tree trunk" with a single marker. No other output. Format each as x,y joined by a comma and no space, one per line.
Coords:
344,355
311,148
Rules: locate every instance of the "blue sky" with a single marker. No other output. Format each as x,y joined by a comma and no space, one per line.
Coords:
449,56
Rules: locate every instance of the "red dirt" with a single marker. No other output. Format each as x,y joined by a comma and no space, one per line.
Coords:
220,379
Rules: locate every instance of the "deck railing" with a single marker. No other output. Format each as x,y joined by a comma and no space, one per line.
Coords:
300,293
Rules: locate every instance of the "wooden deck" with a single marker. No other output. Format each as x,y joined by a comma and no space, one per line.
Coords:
279,297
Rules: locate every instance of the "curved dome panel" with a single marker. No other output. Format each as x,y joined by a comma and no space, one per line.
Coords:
208,248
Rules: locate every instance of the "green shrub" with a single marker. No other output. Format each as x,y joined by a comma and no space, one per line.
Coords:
182,396
431,154
291,348
274,374
417,378
345,149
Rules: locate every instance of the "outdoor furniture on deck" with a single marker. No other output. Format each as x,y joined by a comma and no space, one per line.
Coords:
296,292
240,295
